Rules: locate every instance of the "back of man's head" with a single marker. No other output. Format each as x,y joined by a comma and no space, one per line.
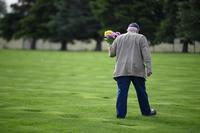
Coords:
133,27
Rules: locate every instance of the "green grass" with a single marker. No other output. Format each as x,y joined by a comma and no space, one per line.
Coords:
73,92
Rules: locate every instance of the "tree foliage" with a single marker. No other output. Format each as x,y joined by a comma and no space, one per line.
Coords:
189,16
181,20
118,14
73,21
34,24
166,31
10,23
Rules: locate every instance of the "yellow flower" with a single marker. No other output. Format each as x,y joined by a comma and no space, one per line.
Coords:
108,32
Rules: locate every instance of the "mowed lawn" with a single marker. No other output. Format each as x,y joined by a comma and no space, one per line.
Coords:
73,92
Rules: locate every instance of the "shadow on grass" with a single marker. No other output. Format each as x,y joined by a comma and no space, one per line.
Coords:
106,97
32,110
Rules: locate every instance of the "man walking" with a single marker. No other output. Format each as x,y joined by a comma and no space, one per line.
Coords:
132,55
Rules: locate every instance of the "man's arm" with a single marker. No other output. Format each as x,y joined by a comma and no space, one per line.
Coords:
146,54
112,48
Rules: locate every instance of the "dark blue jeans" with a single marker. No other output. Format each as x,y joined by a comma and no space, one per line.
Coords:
123,87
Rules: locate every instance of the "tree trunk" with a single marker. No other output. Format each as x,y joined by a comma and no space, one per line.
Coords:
185,47
98,44
33,44
63,46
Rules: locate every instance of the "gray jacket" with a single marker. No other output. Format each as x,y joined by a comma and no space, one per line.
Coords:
132,55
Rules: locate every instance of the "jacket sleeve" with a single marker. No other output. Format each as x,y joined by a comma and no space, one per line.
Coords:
146,53
112,48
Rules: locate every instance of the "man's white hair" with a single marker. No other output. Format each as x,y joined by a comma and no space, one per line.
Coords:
132,29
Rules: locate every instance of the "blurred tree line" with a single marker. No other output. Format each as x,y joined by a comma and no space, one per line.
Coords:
67,20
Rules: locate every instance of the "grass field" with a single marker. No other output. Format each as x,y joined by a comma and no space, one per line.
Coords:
73,92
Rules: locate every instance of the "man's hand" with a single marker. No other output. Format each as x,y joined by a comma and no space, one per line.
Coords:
149,74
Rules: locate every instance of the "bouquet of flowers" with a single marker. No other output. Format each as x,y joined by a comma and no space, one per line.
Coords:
109,36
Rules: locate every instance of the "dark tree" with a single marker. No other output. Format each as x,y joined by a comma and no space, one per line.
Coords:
34,25
74,21
181,21
166,31
116,15
10,23
189,26
58,25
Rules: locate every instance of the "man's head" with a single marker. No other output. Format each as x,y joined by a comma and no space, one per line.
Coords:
133,27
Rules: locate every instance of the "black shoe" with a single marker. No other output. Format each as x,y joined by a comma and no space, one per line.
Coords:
152,113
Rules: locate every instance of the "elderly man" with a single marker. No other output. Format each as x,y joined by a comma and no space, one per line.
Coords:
132,55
